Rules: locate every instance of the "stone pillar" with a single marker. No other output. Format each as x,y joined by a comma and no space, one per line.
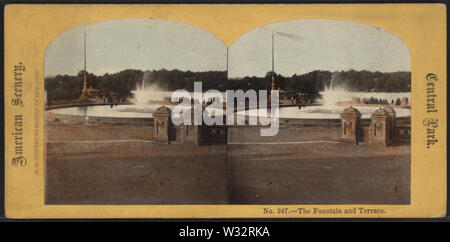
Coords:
392,122
194,133
379,128
350,118
163,124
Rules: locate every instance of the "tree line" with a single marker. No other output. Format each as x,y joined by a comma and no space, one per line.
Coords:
123,82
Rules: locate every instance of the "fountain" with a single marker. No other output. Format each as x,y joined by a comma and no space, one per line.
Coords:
144,95
335,99
148,97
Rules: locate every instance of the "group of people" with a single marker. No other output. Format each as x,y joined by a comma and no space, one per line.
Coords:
113,101
301,99
383,101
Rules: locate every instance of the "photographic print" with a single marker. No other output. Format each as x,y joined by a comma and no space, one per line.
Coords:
344,110
295,115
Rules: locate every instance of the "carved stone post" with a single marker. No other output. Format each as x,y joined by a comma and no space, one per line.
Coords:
380,128
163,124
350,118
392,122
194,133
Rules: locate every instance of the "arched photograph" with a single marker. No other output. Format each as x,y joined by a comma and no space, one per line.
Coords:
152,111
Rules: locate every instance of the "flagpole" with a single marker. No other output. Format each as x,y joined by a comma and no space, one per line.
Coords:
84,74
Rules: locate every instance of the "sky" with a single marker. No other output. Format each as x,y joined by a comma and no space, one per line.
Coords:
146,44
301,46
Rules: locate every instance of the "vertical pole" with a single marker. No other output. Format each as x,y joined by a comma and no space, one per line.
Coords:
84,51
84,73
273,63
227,63
273,53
